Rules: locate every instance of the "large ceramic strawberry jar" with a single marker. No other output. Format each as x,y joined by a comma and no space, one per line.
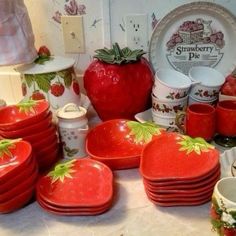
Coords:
51,78
119,82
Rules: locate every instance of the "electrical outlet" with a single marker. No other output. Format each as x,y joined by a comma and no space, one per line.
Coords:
73,34
136,28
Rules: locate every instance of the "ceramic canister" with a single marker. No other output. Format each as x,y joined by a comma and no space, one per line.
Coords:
54,80
73,128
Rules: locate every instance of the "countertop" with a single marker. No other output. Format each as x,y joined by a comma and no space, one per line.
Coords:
132,214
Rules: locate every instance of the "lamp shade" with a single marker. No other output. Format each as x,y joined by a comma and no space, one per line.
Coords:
16,35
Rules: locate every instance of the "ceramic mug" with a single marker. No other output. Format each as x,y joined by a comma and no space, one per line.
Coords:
198,121
210,82
223,207
226,118
171,84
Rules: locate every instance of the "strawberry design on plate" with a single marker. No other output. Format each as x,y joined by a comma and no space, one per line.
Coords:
172,156
82,182
57,89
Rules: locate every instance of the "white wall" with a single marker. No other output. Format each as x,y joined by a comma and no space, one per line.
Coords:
109,18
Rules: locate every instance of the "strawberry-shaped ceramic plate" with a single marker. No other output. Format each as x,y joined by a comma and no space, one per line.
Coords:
82,182
23,114
69,208
91,210
119,143
14,156
193,183
179,198
186,187
70,212
172,156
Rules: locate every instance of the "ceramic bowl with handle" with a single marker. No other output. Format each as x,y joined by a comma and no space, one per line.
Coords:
171,85
210,82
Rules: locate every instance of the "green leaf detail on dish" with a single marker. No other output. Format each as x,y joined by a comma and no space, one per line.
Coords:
6,145
62,171
197,145
143,132
27,106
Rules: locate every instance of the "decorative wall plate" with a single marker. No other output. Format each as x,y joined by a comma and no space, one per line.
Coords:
195,34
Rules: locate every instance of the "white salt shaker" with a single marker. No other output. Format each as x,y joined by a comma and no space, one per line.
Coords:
73,128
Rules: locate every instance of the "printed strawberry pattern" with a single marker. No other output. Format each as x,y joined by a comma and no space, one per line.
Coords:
165,109
54,83
223,221
202,93
177,95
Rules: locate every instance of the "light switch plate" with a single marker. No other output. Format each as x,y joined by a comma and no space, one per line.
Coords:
136,28
73,34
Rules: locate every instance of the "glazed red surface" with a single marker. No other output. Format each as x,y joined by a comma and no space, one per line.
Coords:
29,129
91,185
226,118
21,154
111,144
200,121
161,159
11,118
119,91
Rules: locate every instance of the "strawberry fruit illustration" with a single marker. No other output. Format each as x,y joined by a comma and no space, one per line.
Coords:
57,89
119,82
76,87
37,95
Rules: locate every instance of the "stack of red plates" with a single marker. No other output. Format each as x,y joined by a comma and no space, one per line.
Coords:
18,174
32,121
179,171
76,187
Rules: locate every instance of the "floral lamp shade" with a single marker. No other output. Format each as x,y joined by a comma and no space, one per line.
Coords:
16,35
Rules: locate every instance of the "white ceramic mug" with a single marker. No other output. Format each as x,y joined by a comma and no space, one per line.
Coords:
73,128
223,209
170,84
210,82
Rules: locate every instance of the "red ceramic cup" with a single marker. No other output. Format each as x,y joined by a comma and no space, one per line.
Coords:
226,118
200,121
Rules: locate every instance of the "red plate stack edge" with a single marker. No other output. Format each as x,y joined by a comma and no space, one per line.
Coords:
32,121
18,174
76,187
179,171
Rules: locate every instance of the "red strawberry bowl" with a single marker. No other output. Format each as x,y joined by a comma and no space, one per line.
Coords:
29,129
119,143
23,114
40,135
14,156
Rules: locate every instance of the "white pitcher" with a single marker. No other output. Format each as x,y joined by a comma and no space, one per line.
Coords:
73,128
